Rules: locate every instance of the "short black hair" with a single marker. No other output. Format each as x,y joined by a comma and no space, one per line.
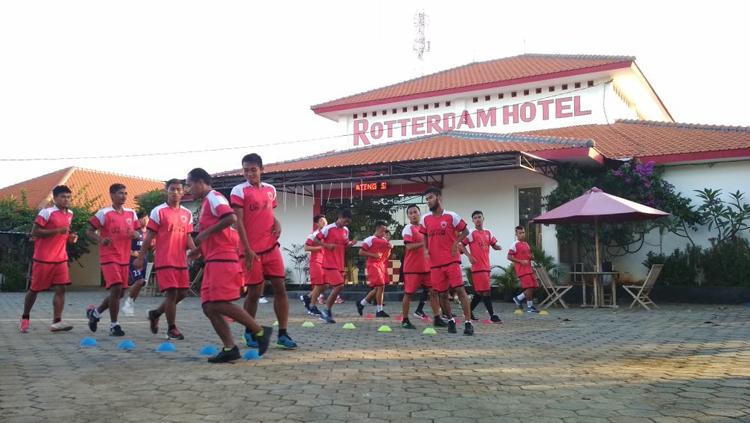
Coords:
476,212
141,214
116,187
253,158
433,190
172,181
317,217
520,228
199,174
61,189
413,206
380,223
345,213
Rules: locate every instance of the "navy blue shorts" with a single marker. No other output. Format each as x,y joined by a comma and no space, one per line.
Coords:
136,274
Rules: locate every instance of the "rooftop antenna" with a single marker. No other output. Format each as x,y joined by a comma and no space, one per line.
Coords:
421,44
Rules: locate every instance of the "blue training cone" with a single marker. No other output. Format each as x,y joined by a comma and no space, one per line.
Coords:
209,350
88,342
166,347
126,345
251,355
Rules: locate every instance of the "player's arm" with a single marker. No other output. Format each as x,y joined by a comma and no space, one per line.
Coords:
276,230
459,241
325,245
312,248
39,232
225,222
496,247
465,251
413,245
93,235
249,253
365,253
145,247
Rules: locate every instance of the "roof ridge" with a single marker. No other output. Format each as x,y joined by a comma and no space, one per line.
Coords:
39,177
105,172
682,125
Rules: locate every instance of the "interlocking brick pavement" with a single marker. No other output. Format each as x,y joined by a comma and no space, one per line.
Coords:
683,363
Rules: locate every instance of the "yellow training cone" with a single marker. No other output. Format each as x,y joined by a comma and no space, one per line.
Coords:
543,313
429,331
308,324
385,329
518,312
349,326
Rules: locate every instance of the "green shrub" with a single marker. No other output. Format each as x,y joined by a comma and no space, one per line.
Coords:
15,276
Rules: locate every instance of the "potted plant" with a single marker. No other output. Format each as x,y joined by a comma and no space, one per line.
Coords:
506,281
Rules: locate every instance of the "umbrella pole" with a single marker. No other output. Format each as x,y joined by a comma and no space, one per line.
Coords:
597,266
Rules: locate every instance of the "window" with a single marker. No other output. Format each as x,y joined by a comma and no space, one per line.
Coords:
591,83
577,85
394,111
403,110
364,114
436,105
564,86
355,116
447,104
486,98
529,207
475,99
500,96
525,92
538,90
415,108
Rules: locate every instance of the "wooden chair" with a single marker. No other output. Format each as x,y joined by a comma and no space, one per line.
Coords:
554,291
641,293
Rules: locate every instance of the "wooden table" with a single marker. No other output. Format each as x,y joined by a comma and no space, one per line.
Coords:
598,288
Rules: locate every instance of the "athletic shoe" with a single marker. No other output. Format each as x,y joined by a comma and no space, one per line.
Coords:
339,300
153,320
175,334
60,327
419,313
473,317
406,324
286,342
495,319
93,320
24,326
263,300
313,311
438,322
382,313
468,329
128,308
225,356
451,326
531,309
250,340
264,340
116,330
306,301
327,316
518,303
360,307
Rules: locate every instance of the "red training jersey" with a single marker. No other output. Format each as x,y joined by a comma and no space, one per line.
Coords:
441,236
119,228
52,249
332,234
375,244
219,246
479,242
172,227
257,203
521,250
414,259
315,256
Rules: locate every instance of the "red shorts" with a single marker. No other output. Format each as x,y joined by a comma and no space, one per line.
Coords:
446,277
116,274
333,277
44,275
222,281
269,265
316,274
170,277
375,276
528,281
412,282
481,281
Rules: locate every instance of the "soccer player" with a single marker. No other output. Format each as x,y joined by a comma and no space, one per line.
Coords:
222,278
444,231
253,201
521,256
51,231
170,225
316,261
113,228
334,238
137,273
416,270
480,241
377,249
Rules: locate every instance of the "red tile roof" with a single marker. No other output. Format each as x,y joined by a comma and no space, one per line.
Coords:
92,184
481,75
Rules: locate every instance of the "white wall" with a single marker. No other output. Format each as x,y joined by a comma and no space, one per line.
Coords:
296,224
727,176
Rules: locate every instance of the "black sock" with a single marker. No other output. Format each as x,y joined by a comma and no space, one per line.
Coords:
171,327
475,301
282,332
56,320
24,316
488,303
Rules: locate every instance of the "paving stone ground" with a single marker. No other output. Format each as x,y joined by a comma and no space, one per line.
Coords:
683,363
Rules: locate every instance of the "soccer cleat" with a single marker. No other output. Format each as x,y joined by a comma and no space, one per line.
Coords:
438,322
406,324
226,356
468,329
24,326
175,334
93,320
128,308
452,326
250,341
473,317
382,313
286,342
116,330
419,313
264,340
518,302
306,301
327,316
531,309
313,311
60,327
263,300
153,320
360,307
495,319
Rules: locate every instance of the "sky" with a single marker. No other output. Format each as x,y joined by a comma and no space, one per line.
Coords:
97,78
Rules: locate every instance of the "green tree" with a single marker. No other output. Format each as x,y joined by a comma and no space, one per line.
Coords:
148,200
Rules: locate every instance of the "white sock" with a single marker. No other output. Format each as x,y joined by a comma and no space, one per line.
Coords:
520,297
363,302
529,303
113,324
380,308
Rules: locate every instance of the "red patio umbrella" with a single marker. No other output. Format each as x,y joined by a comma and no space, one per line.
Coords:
596,206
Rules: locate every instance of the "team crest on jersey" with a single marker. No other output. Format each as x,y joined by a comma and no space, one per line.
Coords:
129,221
183,219
270,195
443,224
